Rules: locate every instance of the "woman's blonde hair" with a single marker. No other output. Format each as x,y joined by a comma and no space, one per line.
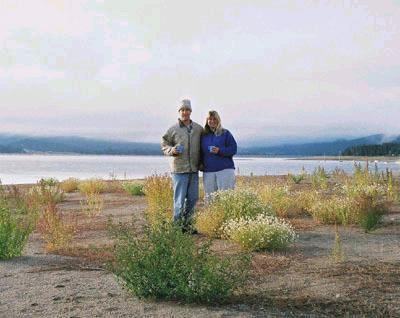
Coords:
218,130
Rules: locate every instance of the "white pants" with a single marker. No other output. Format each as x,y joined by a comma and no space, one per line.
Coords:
220,180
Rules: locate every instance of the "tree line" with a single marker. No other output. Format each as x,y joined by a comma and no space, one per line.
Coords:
385,149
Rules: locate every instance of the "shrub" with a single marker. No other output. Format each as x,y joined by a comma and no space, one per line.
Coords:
263,232
69,185
49,182
228,205
133,188
370,213
14,231
159,195
297,178
167,264
92,186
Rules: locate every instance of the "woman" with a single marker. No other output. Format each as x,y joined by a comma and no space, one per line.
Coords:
217,147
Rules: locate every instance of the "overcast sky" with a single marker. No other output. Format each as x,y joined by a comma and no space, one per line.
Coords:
273,69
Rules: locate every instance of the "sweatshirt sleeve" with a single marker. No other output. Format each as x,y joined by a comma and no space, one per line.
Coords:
230,148
166,144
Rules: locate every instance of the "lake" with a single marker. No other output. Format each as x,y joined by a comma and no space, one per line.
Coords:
17,168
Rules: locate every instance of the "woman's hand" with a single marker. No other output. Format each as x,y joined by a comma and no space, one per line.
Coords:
215,150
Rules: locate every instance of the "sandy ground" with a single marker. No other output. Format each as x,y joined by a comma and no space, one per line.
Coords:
302,282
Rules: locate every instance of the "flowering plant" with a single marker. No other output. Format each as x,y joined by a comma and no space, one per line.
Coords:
264,232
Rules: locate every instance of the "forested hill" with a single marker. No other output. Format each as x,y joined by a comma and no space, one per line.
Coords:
386,149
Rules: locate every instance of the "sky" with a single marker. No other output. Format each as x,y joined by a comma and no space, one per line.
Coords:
274,70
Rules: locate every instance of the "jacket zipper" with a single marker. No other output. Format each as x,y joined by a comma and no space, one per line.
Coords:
190,162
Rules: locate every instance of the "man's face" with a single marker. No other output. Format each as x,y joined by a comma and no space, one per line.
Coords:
184,114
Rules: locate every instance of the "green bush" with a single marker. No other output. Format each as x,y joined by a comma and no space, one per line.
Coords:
167,264
264,232
133,188
48,182
228,205
14,232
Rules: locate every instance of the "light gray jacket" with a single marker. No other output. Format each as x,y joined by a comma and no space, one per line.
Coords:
189,160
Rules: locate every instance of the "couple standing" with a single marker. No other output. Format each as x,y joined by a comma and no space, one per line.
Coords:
190,147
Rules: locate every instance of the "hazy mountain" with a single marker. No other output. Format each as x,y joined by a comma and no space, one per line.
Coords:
313,148
80,145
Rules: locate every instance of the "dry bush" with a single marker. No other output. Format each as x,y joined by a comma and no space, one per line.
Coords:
159,195
92,205
92,186
55,231
69,185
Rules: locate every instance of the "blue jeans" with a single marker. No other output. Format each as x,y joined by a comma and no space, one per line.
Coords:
186,194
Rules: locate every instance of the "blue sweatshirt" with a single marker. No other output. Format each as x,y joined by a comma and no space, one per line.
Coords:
227,148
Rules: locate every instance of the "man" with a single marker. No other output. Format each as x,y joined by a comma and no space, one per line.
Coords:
182,143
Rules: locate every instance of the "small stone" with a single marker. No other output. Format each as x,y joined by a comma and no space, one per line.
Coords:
60,286
57,298
34,304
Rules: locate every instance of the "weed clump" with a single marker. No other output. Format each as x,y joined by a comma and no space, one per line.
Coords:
167,264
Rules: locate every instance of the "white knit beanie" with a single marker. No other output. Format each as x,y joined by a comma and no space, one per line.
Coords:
185,104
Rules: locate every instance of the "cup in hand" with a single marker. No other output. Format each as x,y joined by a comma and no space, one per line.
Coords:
210,148
179,148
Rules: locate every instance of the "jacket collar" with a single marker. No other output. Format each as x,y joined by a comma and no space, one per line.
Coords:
181,124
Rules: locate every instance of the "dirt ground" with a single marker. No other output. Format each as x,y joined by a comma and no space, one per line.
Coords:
304,281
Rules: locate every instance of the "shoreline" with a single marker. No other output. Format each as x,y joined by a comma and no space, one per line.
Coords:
350,158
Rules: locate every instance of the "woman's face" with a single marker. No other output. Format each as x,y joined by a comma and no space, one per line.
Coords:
212,122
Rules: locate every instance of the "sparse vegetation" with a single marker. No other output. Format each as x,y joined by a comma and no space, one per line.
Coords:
92,205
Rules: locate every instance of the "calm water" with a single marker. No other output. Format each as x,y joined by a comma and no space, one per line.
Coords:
30,168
